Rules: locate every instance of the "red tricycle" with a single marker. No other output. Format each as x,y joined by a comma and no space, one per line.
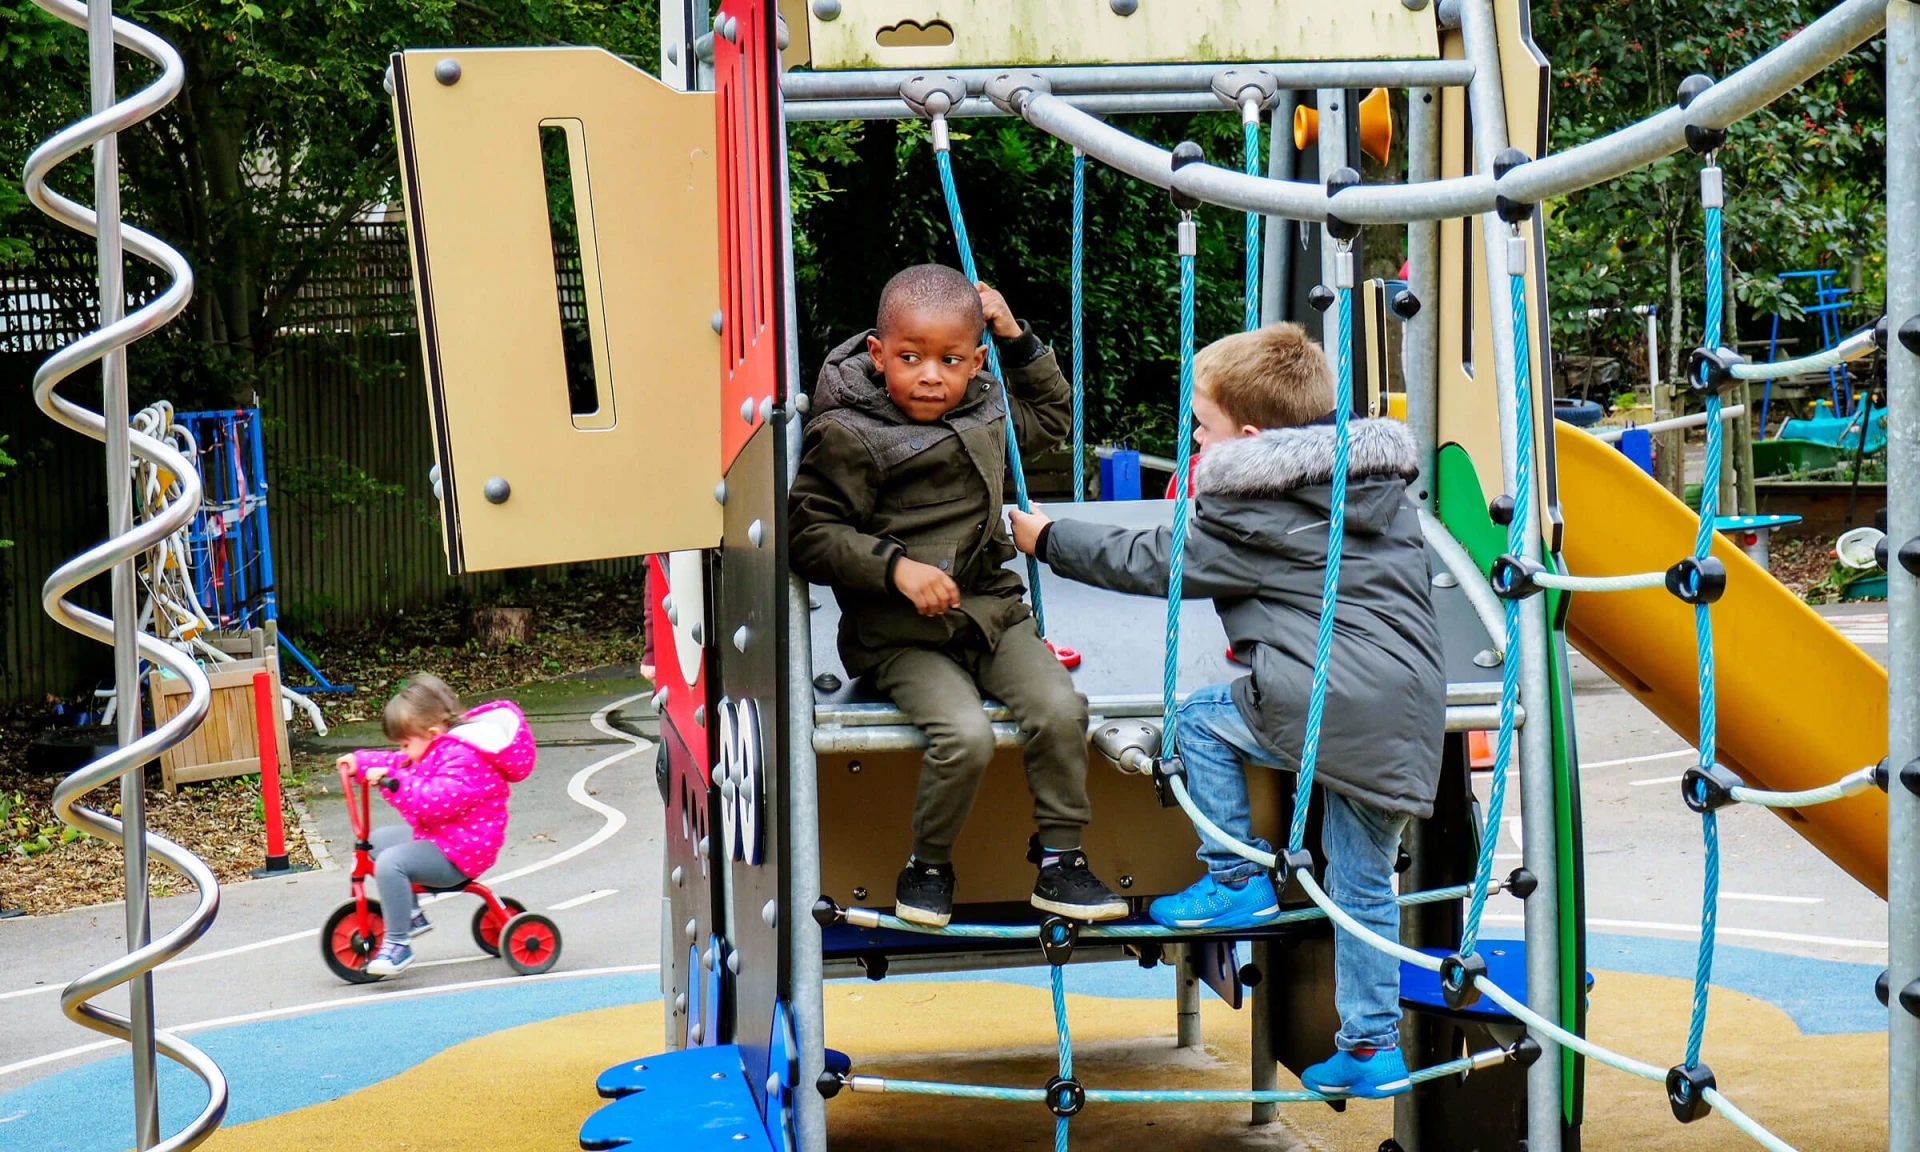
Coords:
527,941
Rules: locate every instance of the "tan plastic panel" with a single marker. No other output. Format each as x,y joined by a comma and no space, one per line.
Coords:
642,160
987,33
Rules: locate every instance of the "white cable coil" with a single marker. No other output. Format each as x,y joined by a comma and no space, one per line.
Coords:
1628,583
1851,784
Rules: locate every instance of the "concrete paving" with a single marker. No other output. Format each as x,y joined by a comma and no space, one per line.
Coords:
594,783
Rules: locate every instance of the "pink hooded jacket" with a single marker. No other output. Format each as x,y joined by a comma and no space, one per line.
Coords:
456,796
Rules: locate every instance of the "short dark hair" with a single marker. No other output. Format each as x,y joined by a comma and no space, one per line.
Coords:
929,288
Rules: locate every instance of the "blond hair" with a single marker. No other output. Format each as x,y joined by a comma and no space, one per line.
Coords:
423,703
1271,377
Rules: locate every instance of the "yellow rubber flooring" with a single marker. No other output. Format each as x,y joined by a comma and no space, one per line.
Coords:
527,1089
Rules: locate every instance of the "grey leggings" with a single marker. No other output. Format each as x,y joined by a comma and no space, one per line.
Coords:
400,862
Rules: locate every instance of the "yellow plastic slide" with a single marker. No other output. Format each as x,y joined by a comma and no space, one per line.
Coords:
1799,705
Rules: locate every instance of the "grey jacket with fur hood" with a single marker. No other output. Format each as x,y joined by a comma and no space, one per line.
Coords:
1257,547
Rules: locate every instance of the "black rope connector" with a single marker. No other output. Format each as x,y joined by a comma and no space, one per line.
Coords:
1687,1089
1500,509
875,965
1909,556
1881,778
1910,776
1524,1051
1341,178
827,912
1184,153
1910,998
1320,297
1522,883
1512,211
1910,335
1402,860
829,1083
1250,975
1698,580
1405,304
1292,863
1164,771
1457,976
1700,140
1710,370
1058,935
1709,789
1065,1096
1513,577
1880,987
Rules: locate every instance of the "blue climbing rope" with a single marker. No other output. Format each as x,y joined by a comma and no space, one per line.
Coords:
1703,633
1330,587
1066,1049
1182,454
945,164
1517,530
1079,342
1250,132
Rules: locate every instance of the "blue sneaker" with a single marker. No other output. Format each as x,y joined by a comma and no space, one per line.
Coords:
1211,904
391,960
1343,1074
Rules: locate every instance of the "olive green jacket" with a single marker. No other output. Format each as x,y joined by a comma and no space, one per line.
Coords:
875,486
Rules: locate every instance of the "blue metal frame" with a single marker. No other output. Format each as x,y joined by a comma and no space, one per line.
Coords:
1829,299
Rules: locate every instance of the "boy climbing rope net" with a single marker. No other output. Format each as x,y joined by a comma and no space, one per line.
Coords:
1262,404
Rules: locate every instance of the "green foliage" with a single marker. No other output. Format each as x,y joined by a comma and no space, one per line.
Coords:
282,138
1804,177
868,203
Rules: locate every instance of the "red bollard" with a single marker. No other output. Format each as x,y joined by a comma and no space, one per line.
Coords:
264,702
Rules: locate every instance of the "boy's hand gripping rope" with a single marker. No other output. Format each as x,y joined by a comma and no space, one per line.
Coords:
945,164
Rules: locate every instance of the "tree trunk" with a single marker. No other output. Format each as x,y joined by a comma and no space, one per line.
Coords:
499,627
1670,465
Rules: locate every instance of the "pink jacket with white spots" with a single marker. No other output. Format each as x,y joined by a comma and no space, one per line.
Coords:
456,796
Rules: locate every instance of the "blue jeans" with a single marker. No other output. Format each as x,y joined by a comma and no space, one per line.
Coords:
1361,844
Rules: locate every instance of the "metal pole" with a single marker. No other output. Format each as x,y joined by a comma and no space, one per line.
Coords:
1539,826
1186,998
1333,155
125,611
1266,1069
1276,262
1420,354
1903,589
802,834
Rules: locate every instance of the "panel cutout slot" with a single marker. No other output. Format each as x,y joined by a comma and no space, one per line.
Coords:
913,34
576,274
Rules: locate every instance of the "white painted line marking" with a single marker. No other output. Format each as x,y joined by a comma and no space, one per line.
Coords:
1508,856
455,960
1693,930
576,790
1651,780
1764,899
351,1001
1673,755
1513,830
596,894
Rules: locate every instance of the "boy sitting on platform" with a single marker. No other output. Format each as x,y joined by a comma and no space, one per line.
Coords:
897,508
1258,546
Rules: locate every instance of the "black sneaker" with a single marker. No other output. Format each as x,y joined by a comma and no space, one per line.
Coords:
924,894
1067,887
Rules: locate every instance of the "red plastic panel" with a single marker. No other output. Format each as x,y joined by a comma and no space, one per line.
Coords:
681,699
745,68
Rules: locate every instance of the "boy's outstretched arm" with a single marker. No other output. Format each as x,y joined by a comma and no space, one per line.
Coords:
1134,560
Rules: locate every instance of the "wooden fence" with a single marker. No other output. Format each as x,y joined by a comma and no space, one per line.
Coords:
348,446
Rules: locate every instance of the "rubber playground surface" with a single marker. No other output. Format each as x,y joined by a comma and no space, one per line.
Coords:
1798,1042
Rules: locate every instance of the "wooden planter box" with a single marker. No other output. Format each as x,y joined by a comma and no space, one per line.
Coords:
227,743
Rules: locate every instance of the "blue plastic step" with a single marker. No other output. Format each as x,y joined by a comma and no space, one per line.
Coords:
692,1100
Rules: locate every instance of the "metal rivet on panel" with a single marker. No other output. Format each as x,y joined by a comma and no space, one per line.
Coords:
1486,658
447,71
803,403
703,846
679,876
733,962
680,1003
497,490
720,492
693,931
766,407
782,37
826,9
770,913
756,534
746,409
740,638
387,80
1124,7
660,700
698,1032
673,53
700,640
719,320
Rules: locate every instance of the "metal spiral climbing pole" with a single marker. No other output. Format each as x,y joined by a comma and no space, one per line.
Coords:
106,345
